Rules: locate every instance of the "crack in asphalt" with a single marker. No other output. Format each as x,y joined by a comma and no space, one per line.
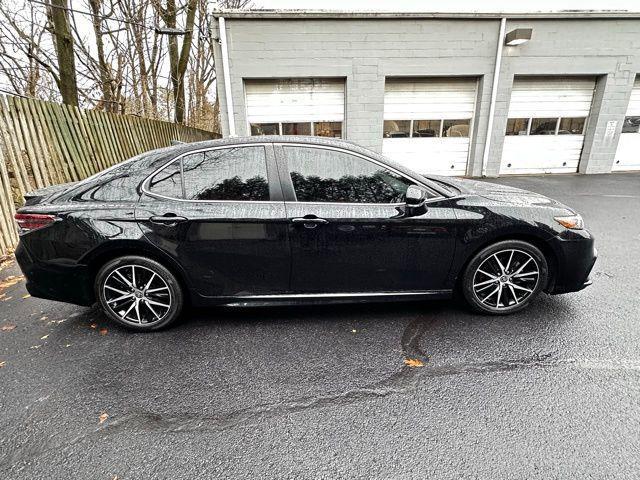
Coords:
402,382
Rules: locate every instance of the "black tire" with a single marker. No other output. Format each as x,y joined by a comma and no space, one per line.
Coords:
490,287
145,307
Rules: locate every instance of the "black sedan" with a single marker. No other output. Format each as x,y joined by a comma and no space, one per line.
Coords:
264,220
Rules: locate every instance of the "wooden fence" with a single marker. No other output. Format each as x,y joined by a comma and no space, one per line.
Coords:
44,143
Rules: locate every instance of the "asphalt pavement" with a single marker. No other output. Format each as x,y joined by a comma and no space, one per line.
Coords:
324,392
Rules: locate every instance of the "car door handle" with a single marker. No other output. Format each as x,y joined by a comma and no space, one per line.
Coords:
167,220
309,221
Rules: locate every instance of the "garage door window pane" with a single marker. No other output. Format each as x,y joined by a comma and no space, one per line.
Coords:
226,174
264,129
168,181
455,128
296,128
543,126
397,128
571,126
631,125
517,126
328,129
320,175
426,128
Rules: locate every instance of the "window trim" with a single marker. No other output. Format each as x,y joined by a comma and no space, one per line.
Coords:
286,175
144,186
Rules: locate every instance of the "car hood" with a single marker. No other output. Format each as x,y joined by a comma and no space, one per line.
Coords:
501,193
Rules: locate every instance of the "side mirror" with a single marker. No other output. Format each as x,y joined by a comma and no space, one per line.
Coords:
415,196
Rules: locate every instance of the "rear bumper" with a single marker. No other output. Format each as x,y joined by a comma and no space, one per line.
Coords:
52,281
576,254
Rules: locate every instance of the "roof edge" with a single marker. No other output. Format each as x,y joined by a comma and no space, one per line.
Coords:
349,15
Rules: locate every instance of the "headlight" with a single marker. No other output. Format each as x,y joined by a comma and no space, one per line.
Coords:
572,222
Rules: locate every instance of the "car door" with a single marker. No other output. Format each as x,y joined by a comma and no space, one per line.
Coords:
350,230
220,214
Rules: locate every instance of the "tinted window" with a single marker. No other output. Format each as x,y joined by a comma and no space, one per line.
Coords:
327,129
571,126
296,128
543,126
167,182
631,125
517,126
397,128
226,174
426,128
455,128
320,175
265,129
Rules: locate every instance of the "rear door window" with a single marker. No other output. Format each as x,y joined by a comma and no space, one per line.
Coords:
232,174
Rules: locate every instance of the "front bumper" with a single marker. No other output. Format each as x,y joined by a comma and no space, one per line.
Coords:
576,254
70,283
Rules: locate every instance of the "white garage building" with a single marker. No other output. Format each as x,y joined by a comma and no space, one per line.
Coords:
451,94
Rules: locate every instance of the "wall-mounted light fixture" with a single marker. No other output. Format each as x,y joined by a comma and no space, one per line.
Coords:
518,36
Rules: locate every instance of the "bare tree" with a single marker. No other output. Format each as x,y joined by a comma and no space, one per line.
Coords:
25,49
153,59
65,55
178,55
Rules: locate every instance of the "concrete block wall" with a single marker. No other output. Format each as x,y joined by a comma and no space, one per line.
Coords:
366,51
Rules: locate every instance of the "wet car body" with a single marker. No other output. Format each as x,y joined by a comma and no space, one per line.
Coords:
253,253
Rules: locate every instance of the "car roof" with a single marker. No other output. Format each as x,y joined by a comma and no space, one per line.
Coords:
300,139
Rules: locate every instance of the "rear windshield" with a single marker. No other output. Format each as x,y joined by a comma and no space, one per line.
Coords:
116,183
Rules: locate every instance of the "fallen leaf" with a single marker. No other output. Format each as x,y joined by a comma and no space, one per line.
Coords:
7,327
11,280
26,296
103,331
44,337
103,417
413,362
94,325
44,318
68,345
2,364
353,331
35,347
4,299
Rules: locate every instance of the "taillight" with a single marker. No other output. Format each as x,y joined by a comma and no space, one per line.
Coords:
32,221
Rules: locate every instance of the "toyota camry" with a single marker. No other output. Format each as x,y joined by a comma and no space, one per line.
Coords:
291,220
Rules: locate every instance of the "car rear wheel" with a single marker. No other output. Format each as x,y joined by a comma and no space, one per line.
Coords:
139,293
505,277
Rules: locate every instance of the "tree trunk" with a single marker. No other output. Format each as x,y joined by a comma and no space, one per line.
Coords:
64,51
104,70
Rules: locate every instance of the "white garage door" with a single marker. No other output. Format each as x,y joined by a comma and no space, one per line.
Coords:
300,106
545,129
628,153
427,123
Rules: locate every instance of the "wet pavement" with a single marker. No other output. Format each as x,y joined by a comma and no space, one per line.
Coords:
324,392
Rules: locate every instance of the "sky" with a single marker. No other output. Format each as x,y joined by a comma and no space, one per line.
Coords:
453,6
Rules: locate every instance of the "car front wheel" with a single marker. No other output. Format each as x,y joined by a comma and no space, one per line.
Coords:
505,277
139,293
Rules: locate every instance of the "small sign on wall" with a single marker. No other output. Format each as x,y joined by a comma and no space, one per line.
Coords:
610,131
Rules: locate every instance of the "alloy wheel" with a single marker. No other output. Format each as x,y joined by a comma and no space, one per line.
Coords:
137,295
506,278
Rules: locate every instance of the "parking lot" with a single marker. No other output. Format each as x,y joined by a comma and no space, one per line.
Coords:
326,392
